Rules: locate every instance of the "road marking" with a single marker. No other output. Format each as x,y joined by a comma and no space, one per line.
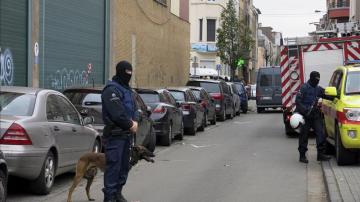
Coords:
238,122
202,146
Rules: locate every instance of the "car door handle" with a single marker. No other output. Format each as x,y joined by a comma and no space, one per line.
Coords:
56,128
73,129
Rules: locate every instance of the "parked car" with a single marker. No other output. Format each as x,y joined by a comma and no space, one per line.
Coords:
341,110
3,178
42,135
193,112
220,92
207,102
167,117
268,89
243,96
236,98
88,101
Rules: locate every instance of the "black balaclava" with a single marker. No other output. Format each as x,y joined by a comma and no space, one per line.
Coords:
123,73
314,78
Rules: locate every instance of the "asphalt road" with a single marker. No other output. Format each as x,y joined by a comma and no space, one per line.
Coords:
246,159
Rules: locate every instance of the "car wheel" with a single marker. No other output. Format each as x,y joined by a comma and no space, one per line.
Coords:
152,142
203,125
192,130
245,109
223,116
343,155
166,139
231,115
45,181
180,136
97,146
260,110
3,186
213,121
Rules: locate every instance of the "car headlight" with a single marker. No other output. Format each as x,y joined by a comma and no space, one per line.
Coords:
352,114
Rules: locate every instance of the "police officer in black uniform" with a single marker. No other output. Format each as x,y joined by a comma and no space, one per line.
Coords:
307,104
119,115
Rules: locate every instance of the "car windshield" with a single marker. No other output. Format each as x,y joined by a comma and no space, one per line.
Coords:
150,97
353,83
178,95
16,104
239,88
196,93
84,98
210,87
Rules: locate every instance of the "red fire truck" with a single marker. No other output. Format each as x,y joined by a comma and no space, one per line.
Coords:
301,56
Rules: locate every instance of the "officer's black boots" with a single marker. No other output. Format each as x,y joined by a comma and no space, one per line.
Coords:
120,197
303,158
323,157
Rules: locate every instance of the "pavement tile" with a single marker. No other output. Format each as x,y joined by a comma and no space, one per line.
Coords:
342,182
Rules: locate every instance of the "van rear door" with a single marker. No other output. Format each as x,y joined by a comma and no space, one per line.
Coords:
264,86
269,87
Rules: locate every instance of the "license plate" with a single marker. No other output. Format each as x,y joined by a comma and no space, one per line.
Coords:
267,98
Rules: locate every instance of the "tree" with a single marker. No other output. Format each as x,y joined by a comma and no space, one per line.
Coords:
234,39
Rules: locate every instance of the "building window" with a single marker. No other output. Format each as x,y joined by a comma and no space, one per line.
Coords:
211,29
200,29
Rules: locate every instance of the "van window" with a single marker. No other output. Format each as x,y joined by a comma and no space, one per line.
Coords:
277,80
265,80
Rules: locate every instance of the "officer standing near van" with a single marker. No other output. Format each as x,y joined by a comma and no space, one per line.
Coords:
307,104
119,110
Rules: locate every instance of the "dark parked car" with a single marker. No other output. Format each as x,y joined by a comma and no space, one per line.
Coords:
3,178
193,112
236,98
220,92
207,102
268,89
243,96
88,102
167,117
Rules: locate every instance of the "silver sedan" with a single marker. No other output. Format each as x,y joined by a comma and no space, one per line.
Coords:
42,135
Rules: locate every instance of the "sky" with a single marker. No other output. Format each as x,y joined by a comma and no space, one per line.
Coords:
291,17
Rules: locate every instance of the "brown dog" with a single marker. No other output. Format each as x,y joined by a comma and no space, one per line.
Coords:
88,164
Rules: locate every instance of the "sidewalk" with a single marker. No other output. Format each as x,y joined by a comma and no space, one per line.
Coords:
342,182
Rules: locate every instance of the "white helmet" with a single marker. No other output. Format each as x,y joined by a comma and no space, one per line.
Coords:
296,119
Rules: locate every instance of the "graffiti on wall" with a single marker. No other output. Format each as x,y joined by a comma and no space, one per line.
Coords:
65,78
6,68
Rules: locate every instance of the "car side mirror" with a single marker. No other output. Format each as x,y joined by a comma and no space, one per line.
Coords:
88,120
178,104
331,92
199,101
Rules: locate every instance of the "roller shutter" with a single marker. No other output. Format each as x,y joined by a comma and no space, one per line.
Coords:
13,42
72,43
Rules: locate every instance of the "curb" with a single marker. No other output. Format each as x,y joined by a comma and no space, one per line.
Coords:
332,188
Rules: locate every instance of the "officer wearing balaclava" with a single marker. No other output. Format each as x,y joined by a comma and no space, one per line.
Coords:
307,104
119,109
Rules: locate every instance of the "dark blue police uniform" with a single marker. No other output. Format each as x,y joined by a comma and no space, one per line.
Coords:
306,105
118,112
